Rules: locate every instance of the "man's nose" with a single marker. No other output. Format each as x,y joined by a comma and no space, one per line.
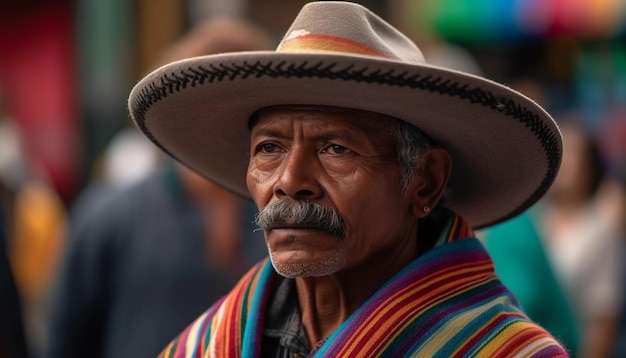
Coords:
298,177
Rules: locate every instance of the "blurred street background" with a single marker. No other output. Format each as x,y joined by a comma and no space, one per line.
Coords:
67,67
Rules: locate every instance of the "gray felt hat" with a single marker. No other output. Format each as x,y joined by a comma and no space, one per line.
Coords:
506,149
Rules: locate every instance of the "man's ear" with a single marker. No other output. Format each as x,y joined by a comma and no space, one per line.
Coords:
429,183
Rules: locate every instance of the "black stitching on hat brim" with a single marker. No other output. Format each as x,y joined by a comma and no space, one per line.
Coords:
172,82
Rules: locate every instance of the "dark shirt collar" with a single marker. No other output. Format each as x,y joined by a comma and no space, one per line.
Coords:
284,335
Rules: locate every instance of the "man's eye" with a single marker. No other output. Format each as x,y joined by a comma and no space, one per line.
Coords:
337,149
267,148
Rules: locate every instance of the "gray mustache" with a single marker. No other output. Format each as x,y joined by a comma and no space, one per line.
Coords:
301,212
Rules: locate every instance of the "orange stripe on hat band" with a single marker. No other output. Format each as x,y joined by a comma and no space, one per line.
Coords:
328,43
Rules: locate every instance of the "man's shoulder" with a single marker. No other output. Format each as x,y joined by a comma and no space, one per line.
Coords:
498,329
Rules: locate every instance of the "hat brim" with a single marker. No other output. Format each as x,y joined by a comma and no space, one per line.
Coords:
506,150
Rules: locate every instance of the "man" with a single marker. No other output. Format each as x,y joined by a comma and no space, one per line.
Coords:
347,141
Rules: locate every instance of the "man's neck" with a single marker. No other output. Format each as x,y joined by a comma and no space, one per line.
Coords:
326,302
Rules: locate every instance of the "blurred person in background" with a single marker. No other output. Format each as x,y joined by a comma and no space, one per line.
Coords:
34,221
581,220
147,257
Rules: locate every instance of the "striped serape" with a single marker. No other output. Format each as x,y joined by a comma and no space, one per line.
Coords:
446,303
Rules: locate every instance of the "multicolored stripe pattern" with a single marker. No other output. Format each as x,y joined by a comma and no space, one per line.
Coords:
446,303
230,327
308,42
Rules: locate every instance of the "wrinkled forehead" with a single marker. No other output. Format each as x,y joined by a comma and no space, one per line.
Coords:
372,121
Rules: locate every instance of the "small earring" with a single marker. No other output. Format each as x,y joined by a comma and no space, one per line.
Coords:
426,208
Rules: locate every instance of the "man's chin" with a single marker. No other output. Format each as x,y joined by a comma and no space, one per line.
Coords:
308,269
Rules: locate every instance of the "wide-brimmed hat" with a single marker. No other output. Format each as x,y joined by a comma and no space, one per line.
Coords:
506,150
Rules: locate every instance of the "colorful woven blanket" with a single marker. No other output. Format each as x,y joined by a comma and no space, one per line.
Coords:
446,303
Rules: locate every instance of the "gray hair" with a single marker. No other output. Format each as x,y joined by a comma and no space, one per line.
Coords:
293,211
411,144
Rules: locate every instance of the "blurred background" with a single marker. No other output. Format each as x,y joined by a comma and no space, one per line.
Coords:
67,67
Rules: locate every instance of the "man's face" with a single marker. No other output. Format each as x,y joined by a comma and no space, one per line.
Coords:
342,160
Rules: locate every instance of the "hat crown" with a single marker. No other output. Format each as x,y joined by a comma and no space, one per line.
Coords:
344,27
